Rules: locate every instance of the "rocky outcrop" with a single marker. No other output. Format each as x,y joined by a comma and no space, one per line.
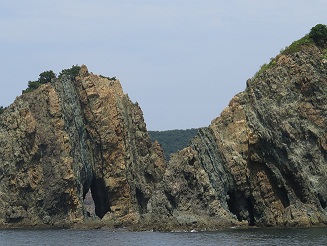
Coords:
69,137
78,147
263,162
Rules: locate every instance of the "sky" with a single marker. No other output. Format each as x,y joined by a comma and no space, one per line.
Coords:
181,60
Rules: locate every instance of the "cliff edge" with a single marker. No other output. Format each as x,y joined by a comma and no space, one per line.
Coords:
70,137
262,162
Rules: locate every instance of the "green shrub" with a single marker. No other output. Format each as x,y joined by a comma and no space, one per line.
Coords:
266,66
47,76
71,73
318,34
44,78
298,45
32,85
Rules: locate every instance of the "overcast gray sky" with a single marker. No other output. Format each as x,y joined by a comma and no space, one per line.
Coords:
181,60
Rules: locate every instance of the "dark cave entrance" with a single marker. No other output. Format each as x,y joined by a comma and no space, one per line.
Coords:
250,207
141,200
96,200
241,207
323,202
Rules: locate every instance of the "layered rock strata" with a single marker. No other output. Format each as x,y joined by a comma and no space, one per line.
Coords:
69,137
262,162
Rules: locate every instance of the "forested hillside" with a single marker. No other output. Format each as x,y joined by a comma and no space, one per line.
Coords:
173,140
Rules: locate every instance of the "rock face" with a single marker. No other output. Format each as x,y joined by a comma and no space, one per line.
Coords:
69,137
262,162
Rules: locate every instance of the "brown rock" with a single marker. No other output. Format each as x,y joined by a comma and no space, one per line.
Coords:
63,139
262,162
264,159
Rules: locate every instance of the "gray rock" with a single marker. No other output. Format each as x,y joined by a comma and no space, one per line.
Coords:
262,162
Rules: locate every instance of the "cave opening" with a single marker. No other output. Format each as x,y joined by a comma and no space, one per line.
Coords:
97,194
282,194
241,207
232,203
250,207
141,200
322,201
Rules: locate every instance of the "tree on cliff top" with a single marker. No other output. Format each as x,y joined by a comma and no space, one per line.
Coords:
318,34
44,78
71,72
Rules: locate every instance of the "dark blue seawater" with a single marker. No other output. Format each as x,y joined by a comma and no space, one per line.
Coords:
309,236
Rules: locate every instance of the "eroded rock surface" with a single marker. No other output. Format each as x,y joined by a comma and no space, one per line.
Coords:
262,162
69,137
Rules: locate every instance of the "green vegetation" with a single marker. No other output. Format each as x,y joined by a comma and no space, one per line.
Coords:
47,76
266,66
294,47
173,140
298,45
318,34
44,78
71,73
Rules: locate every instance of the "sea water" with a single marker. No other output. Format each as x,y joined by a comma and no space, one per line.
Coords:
284,236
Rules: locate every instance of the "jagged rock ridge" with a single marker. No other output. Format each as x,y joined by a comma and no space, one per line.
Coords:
261,162
70,136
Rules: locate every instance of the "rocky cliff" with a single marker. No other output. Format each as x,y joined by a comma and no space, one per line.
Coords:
69,137
262,162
